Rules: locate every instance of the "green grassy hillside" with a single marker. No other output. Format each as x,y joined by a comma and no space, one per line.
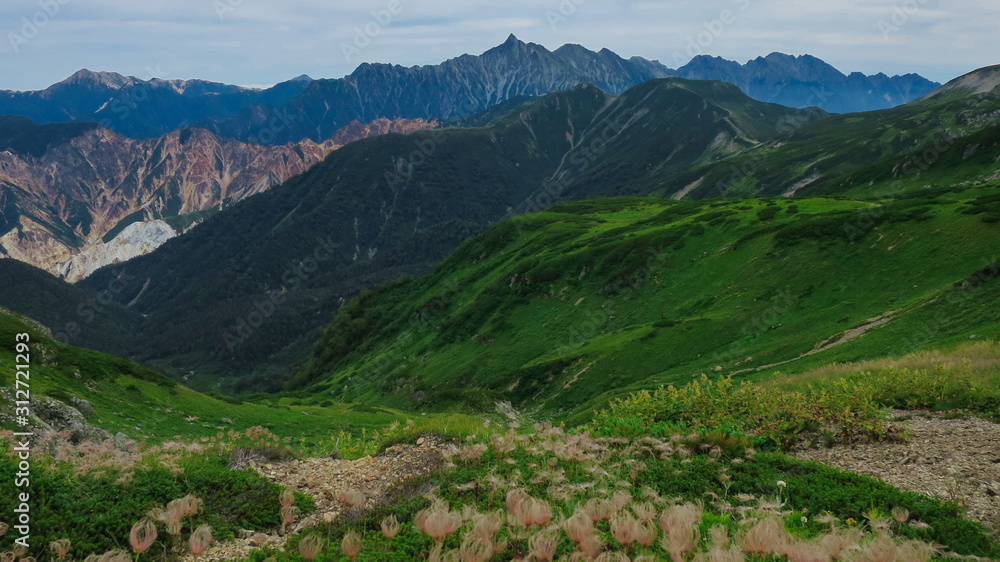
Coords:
560,311
147,406
946,140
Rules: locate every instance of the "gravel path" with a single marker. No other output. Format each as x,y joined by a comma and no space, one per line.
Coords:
954,459
324,479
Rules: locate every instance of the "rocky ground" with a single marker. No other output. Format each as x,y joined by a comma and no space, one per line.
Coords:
953,459
324,479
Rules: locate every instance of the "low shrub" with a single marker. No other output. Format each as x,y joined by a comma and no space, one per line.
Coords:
96,508
848,409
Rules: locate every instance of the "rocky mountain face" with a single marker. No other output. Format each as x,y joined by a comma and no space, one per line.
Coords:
137,239
78,203
138,108
458,87
806,81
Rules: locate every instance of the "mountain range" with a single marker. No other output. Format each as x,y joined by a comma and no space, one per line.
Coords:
808,81
303,108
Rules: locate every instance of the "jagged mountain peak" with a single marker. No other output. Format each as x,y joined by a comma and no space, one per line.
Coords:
801,63
513,47
86,76
458,87
778,55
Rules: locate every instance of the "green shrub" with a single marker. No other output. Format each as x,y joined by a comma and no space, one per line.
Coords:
849,409
941,388
768,213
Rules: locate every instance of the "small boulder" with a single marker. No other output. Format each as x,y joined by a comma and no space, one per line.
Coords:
122,442
56,414
80,432
83,406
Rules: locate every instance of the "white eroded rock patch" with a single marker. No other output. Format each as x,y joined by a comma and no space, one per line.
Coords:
135,240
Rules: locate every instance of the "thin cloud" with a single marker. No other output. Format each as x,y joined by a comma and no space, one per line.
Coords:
258,41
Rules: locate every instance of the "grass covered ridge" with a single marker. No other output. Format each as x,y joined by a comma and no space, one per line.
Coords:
562,311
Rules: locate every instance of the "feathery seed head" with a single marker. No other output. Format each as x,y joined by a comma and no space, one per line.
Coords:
142,535
351,545
543,545
310,546
766,536
900,514
390,527
201,538
60,547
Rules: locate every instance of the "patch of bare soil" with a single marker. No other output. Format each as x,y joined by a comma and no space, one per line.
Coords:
324,479
952,459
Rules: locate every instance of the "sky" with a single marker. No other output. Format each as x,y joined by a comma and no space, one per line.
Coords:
262,42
